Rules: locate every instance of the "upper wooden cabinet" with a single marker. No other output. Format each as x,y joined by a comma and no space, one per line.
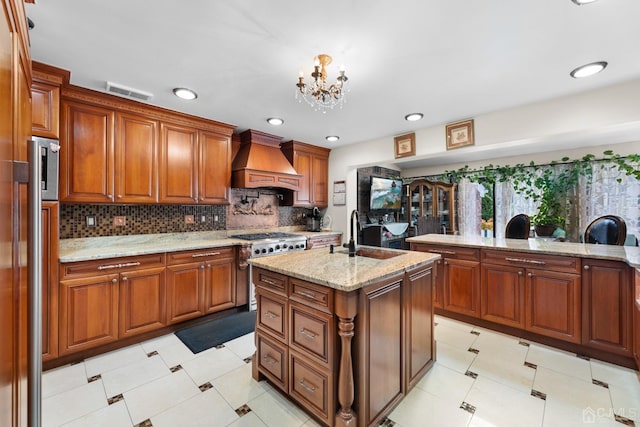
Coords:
312,163
45,100
115,150
87,153
432,199
45,110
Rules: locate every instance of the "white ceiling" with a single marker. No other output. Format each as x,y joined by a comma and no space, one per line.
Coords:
449,59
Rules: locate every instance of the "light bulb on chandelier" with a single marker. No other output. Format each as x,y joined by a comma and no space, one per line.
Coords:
318,94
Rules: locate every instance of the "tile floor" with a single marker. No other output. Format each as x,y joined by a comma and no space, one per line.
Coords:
481,378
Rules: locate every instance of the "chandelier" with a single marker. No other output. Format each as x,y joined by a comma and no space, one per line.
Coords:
317,94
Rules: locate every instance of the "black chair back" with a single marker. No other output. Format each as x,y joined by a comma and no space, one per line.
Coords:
518,227
606,230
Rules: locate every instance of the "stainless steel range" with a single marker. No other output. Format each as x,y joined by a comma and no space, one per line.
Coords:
266,244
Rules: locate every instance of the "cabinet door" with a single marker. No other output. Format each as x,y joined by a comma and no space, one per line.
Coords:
184,292
136,159
320,181
88,312
419,324
142,305
462,286
607,302
219,285
502,294
302,164
50,241
438,284
178,164
45,110
87,154
214,175
636,330
552,304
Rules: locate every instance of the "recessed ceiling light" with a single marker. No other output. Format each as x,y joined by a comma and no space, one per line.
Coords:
275,121
588,69
332,138
413,117
581,2
184,93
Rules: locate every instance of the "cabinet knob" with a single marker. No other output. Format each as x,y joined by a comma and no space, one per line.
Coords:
530,274
125,278
119,196
208,265
586,267
519,273
114,280
446,263
201,266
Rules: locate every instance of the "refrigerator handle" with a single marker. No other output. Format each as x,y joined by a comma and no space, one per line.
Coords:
35,284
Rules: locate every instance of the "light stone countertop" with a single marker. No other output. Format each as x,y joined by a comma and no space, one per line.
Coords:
90,248
338,270
628,254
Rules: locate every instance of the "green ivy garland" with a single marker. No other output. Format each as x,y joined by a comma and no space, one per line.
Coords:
548,184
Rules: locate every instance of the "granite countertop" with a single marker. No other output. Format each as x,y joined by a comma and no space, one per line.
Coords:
628,254
90,248
339,271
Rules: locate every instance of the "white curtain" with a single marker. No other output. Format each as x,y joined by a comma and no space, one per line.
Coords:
609,192
508,204
469,208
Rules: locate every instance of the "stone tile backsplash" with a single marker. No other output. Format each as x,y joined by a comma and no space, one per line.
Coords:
152,219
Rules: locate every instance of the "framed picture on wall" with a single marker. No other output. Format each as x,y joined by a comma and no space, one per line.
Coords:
405,145
459,134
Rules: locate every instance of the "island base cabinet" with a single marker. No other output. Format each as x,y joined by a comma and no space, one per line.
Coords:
419,338
380,353
607,305
312,387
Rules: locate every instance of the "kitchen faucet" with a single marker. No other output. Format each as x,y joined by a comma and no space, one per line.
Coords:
352,242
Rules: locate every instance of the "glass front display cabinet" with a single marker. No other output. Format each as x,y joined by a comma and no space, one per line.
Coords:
432,199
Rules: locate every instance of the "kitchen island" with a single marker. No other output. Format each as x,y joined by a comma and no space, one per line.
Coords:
344,337
582,298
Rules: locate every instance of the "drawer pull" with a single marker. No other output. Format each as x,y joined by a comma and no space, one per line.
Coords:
526,261
271,315
269,281
307,334
307,294
307,387
441,251
269,360
112,266
205,254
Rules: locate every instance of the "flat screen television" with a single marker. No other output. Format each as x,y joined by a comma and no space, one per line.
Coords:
385,193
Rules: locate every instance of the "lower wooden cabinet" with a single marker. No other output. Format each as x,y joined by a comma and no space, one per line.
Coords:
103,301
502,295
462,286
607,304
636,329
200,282
311,338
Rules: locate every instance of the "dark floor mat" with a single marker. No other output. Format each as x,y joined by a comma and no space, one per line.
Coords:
218,331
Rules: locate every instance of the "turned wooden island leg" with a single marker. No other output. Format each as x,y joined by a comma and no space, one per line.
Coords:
346,309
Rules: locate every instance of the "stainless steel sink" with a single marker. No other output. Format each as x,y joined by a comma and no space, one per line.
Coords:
374,253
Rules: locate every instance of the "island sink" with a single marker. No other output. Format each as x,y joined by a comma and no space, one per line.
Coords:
374,253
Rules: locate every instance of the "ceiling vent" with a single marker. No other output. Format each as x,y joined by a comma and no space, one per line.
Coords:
121,90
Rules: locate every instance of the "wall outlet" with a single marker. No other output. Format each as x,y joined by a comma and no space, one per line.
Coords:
119,221
189,219
215,218
90,220
203,218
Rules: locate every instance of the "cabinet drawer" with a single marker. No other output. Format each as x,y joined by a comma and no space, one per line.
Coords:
562,264
272,361
310,332
110,265
310,294
456,252
199,255
272,281
272,312
312,387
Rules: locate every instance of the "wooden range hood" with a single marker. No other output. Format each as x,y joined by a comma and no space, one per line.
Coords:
259,163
